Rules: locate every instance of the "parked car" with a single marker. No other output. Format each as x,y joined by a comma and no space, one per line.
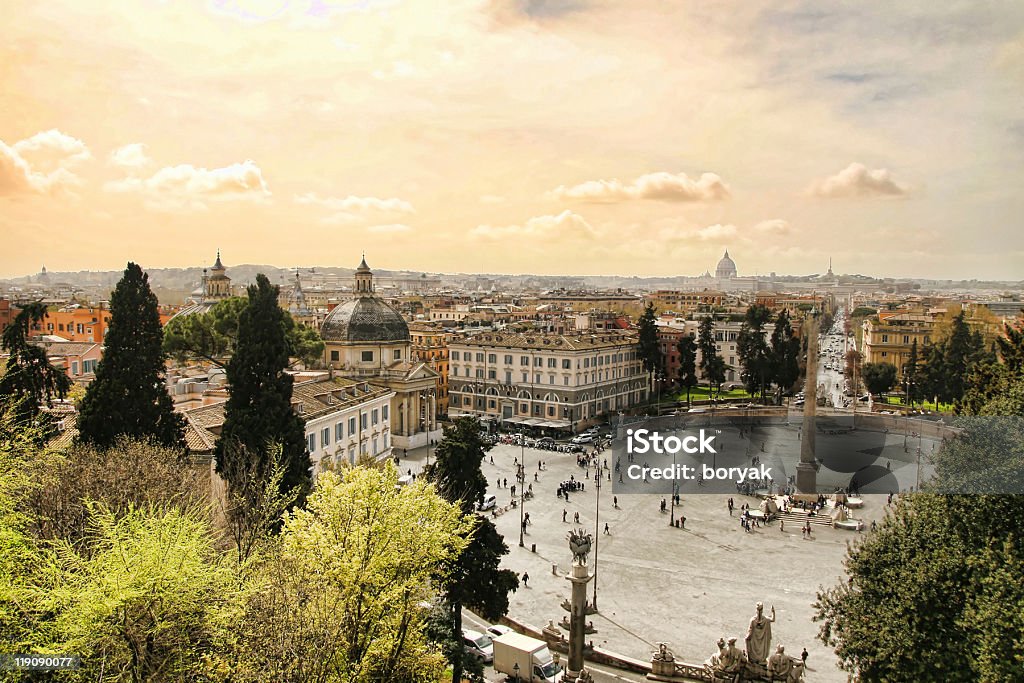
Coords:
583,439
487,502
478,645
495,630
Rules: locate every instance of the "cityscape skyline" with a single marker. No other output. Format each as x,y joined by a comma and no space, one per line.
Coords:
515,137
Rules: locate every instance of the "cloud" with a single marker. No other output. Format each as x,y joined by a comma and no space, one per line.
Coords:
390,228
565,226
130,156
716,232
663,186
62,148
187,188
353,210
40,163
857,180
774,226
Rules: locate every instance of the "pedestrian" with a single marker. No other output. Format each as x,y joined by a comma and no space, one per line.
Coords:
803,657
564,514
513,490
535,477
576,517
782,525
606,531
615,502
874,525
682,521
492,459
620,477
526,583
526,518
505,484
524,525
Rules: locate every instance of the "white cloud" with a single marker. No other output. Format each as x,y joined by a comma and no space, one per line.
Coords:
857,180
716,232
565,226
40,163
130,156
663,186
65,150
187,188
774,226
390,228
352,210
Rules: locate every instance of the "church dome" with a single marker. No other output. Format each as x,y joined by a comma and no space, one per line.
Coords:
364,319
726,268
367,318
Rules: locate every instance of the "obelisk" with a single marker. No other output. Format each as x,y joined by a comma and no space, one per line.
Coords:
806,469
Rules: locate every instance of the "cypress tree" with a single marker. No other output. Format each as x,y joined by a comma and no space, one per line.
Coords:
29,379
259,422
128,397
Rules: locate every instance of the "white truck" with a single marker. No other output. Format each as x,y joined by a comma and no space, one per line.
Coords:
525,657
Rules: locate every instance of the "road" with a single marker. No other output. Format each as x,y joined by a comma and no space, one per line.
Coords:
602,674
832,361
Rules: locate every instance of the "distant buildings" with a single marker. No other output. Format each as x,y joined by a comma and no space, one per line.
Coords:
545,380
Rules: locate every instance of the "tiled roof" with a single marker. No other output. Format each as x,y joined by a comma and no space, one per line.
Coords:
66,348
548,342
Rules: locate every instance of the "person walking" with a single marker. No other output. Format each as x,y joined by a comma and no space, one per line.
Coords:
526,581
606,531
513,490
803,657
782,525
576,517
564,515
615,502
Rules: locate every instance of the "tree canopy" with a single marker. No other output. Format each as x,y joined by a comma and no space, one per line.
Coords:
649,349
29,379
878,377
128,396
686,347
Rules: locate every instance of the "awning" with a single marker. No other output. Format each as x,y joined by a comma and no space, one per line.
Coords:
513,420
533,422
557,424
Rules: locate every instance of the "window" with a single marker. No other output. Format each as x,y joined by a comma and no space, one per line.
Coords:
551,411
508,360
398,354
536,378
384,411
552,362
551,379
523,408
367,356
455,355
490,403
74,367
374,446
351,453
524,360
311,442
566,364
538,362
325,437
339,431
351,426
526,378
508,378
885,338
479,358
480,373
362,421
387,441
586,362
492,374
455,371
492,358
375,416
906,339
335,356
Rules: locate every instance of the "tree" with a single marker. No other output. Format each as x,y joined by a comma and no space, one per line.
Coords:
649,348
753,350
213,336
712,369
910,373
29,379
128,397
879,377
785,353
147,597
339,599
474,579
686,347
260,425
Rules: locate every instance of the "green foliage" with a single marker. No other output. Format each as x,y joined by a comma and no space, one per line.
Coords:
863,312
753,351
785,353
712,365
878,377
128,397
686,347
260,426
474,578
996,386
951,361
29,375
143,601
649,349
213,336
339,599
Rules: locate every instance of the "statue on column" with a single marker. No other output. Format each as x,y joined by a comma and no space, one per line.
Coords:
759,636
579,543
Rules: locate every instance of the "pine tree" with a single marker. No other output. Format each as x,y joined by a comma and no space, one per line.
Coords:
128,397
753,350
687,349
650,352
712,366
785,353
259,421
29,379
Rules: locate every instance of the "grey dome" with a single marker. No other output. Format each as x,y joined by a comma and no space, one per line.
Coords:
364,319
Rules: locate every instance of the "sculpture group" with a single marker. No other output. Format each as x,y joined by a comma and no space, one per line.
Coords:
757,663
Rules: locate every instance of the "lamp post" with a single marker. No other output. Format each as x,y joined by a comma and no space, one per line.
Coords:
522,486
515,670
597,527
672,512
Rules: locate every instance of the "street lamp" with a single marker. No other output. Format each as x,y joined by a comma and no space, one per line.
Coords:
672,512
522,486
597,527
515,670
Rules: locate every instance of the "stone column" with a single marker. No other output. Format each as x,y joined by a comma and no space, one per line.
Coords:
577,618
806,471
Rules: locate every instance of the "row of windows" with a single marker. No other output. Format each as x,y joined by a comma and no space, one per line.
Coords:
906,339
373,444
588,377
366,356
374,417
539,362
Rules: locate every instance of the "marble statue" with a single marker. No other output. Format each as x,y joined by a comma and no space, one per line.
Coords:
759,636
579,543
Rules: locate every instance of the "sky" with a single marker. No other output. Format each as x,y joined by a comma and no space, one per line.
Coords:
515,136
